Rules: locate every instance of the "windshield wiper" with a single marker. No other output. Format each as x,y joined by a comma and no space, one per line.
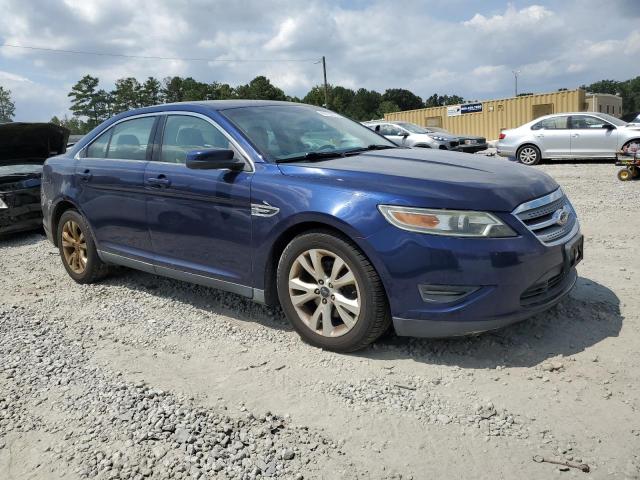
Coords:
368,148
311,156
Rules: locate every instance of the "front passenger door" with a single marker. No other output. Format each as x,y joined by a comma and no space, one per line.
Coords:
393,133
199,220
590,137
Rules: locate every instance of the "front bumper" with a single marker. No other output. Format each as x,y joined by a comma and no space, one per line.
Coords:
444,328
24,212
504,273
473,148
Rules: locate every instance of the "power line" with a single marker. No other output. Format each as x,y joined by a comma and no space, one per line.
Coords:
149,57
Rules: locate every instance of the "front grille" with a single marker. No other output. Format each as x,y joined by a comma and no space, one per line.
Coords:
551,218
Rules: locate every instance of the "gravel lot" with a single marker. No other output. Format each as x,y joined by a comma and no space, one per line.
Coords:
144,377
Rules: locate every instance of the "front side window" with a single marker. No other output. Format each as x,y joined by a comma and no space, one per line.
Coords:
553,123
184,133
586,122
98,149
130,139
389,130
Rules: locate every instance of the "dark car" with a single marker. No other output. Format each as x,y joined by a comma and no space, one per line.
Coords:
23,149
294,204
467,143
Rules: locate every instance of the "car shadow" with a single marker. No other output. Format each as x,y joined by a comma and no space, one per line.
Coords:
19,239
209,300
590,314
587,316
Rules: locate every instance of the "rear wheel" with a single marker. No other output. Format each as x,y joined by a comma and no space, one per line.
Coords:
528,155
331,293
78,250
624,175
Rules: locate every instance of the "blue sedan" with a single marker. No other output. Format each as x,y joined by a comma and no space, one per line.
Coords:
294,204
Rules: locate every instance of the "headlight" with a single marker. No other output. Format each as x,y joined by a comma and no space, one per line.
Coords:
2,204
456,223
439,138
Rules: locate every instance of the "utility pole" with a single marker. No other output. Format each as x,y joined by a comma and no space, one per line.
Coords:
515,76
326,87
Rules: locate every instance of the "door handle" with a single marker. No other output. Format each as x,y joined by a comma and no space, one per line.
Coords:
159,182
575,135
86,175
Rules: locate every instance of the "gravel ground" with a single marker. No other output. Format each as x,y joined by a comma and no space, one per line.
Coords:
144,377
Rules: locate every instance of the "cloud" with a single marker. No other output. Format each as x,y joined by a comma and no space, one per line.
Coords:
462,47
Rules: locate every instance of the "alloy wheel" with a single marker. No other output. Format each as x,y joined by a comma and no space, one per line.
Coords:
324,292
74,247
528,155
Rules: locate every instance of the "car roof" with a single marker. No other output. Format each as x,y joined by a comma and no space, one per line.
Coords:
228,104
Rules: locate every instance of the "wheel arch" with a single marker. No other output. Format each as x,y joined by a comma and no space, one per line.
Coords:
287,235
56,213
530,144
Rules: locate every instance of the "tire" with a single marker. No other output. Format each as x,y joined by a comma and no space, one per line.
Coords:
85,266
624,175
528,155
352,297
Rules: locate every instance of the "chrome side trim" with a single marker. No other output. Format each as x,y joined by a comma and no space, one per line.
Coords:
539,202
188,277
237,146
117,259
263,210
206,281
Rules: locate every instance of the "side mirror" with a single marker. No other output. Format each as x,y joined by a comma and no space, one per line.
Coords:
213,159
608,126
403,134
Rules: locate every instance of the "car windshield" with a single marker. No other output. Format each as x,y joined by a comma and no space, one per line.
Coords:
438,130
284,132
412,127
612,119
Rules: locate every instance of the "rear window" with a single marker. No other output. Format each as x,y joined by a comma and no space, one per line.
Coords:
554,123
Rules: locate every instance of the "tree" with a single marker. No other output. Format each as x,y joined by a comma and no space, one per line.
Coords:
7,107
405,99
365,104
151,92
385,107
260,88
436,100
74,124
87,101
127,95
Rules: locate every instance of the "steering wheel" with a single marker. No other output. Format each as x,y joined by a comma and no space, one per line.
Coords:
326,147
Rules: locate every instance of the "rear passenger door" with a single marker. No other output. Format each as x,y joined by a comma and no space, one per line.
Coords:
110,181
199,220
552,136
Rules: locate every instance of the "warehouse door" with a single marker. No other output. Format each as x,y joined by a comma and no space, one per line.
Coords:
540,110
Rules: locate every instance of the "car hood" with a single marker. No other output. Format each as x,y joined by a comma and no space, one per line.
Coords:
446,136
431,178
23,143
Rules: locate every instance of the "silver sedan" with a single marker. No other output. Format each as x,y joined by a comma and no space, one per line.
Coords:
577,135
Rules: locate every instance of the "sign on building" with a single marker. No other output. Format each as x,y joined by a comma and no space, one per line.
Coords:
455,110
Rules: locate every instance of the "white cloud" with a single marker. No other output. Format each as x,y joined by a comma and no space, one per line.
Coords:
461,47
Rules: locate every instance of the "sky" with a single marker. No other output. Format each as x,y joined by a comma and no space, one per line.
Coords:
463,47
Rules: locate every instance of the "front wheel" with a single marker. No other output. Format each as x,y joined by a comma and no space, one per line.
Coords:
331,293
528,155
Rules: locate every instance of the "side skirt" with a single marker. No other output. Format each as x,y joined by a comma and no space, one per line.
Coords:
245,291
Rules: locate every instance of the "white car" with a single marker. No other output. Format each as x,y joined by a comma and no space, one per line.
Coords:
567,136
